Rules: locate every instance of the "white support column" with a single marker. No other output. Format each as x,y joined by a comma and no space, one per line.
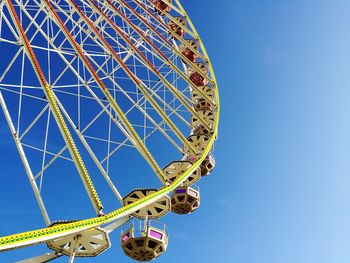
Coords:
41,259
75,248
25,161
113,226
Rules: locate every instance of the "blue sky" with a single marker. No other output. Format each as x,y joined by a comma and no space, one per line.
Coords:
280,191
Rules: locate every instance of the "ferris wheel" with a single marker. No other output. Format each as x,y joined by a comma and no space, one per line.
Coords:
113,104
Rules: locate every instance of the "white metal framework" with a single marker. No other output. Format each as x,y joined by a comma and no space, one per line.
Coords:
84,83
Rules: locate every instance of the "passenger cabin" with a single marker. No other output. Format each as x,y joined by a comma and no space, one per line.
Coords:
208,117
161,7
198,143
185,200
189,49
207,165
202,105
146,243
175,27
196,77
202,93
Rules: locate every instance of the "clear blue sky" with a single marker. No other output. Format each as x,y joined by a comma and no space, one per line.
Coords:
281,189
